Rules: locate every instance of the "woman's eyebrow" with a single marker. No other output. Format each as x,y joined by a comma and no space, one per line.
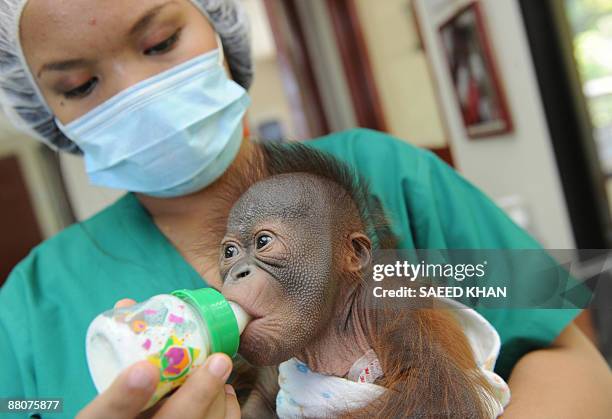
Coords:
146,19
64,65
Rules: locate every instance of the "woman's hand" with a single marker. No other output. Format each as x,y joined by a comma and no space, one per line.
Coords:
203,395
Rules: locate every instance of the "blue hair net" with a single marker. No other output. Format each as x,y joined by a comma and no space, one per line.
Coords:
23,104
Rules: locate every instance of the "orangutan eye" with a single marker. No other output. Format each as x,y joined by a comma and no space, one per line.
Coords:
263,241
230,251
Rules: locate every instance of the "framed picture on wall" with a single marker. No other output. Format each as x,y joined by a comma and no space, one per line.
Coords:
475,80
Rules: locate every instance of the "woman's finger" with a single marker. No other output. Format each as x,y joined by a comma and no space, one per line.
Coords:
126,302
203,394
127,396
232,408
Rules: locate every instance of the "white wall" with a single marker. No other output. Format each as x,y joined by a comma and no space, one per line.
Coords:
85,198
40,183
517,164
268,98
401,72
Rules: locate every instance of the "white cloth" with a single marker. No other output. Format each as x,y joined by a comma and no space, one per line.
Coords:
304,393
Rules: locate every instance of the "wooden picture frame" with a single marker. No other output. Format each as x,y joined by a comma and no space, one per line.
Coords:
477,86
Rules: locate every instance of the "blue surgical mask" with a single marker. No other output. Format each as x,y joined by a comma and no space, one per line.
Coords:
170,135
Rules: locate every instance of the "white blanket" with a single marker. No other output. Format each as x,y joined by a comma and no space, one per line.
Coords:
304,393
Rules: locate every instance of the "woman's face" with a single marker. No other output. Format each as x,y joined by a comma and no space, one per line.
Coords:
83,52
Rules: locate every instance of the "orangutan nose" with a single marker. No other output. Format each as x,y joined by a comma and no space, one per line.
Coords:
240,272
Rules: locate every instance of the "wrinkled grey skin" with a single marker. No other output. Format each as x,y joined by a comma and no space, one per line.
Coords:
285,284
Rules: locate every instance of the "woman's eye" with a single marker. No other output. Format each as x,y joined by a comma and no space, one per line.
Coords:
83,90
163,46
230,251
263,240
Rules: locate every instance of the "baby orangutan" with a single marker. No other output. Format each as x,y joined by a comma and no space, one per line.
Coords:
296,251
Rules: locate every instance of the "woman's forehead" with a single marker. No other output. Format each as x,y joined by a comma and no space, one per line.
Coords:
79,25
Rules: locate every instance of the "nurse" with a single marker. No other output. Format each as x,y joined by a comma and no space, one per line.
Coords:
153,94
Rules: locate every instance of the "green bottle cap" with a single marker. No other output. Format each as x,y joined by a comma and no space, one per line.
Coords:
218,316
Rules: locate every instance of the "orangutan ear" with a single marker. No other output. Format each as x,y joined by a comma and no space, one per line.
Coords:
359,252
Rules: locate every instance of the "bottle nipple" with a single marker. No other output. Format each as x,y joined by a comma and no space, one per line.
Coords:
242,317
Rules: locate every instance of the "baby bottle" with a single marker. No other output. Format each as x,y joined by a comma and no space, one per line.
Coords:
175,332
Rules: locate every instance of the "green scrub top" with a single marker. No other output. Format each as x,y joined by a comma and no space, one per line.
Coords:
51,297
